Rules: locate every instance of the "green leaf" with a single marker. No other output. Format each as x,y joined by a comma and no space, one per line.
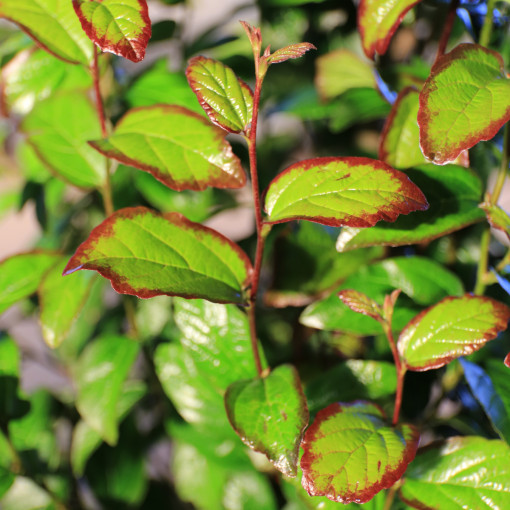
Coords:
120,27
464,472
6,457
21,274
148,254
400,139
471,81
454,327
498,373
60,139
497,217
226,99
100,374
289,52
53,25
351,453
453,193
377,22
356,192
61,300
339,71
179,147
270,415
25,494
217,337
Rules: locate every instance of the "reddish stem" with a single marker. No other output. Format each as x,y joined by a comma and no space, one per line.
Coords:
253,338
401,372
447,29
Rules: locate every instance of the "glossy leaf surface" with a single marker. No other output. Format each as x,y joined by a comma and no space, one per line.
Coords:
465,99
453,194
179,147
270,415
58,129
356,192
226,99
292,51
21,274
100,375
121,27
147,254
497,217
53,25
377,22
361,303
351,453
465,472
455,327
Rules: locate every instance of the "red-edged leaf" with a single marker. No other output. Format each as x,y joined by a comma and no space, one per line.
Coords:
377,22
292,51
465,99
361,303
507,360
147,254
351,452
454,327
122,27
354,192
177,146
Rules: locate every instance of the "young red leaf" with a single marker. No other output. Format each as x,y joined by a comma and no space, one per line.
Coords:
471,81
148,254
177,146
292,51
226,99
351,452
355,192
361,303
122,27
377,22
454,327
507,360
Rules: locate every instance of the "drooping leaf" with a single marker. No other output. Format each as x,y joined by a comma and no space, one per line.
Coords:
483,389
58,129
100,374
377,22
147,254
454,327
471,81
61,300
227,100
120,27
351,452
361,303
339,71
179,147
53,25
292,51
497,217
21,274
356,192
453,193
400,139
464,472
270,415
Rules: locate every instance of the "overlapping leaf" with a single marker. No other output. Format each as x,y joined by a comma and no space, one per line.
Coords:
377,22
453,194
292,51
121,27
179,147
465,99
148,254
454,327
226,99
351,453
53,25
356,192
464,472
361,303
270,415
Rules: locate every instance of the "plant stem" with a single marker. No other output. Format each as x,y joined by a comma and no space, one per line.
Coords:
447,30
484,262
253,338
399,368
486,32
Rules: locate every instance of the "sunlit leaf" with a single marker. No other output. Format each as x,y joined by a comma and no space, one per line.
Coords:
292,51
121,27
226,99
179,147
464,472
356,192
453,193
53,25
497,217
351,452
147,254
25,494
270,414
465,99
454,327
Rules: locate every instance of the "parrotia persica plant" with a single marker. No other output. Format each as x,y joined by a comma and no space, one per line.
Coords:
335,352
